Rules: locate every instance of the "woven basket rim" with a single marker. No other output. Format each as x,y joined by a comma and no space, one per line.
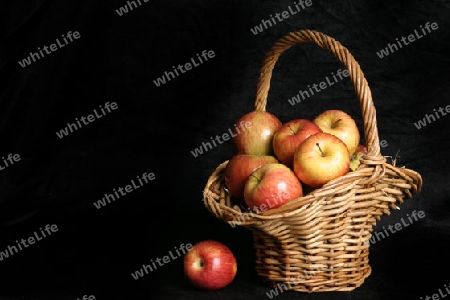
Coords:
301,203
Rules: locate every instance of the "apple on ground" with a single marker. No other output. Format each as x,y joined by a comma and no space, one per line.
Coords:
340,124
271,186
239,168
355,158
210,265
287,139
257,138
321,158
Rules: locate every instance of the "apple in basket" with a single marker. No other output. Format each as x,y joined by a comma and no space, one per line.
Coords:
355,158
321,158
239,168
271,186
287,139
210,265
257,138
340,124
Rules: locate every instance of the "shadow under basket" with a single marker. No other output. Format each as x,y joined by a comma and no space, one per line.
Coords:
320,241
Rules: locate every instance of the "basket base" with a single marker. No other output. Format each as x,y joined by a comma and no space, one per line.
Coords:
318,283
286,265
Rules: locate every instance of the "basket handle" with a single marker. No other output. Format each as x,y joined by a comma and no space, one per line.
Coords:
343,54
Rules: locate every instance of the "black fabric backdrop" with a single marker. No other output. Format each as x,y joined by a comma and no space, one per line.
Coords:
154,129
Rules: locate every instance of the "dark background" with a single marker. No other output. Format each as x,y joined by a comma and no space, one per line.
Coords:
155,129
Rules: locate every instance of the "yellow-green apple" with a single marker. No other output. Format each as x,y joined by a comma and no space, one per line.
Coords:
340,124
321,158
239,168
287,139
271,186
257,137
210,265
355,158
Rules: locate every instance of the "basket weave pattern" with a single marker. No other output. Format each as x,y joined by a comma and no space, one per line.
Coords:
320,242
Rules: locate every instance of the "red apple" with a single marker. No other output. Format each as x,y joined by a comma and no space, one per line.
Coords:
340,124
355,159
254,131
239,168
321,158
287,139
271,186
210,265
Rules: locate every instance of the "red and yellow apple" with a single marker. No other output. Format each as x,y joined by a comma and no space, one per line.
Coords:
271,186
321,158
340,124
210,265
257,137
291,134
239,168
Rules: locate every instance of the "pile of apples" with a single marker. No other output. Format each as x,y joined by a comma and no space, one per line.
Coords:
277,162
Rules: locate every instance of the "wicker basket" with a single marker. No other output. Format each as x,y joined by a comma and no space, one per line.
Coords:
320,242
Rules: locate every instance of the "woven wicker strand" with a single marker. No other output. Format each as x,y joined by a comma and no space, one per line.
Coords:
320,242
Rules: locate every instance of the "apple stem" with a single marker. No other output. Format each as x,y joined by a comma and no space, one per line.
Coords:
292,131
200,263
253,175
335,123
317,144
